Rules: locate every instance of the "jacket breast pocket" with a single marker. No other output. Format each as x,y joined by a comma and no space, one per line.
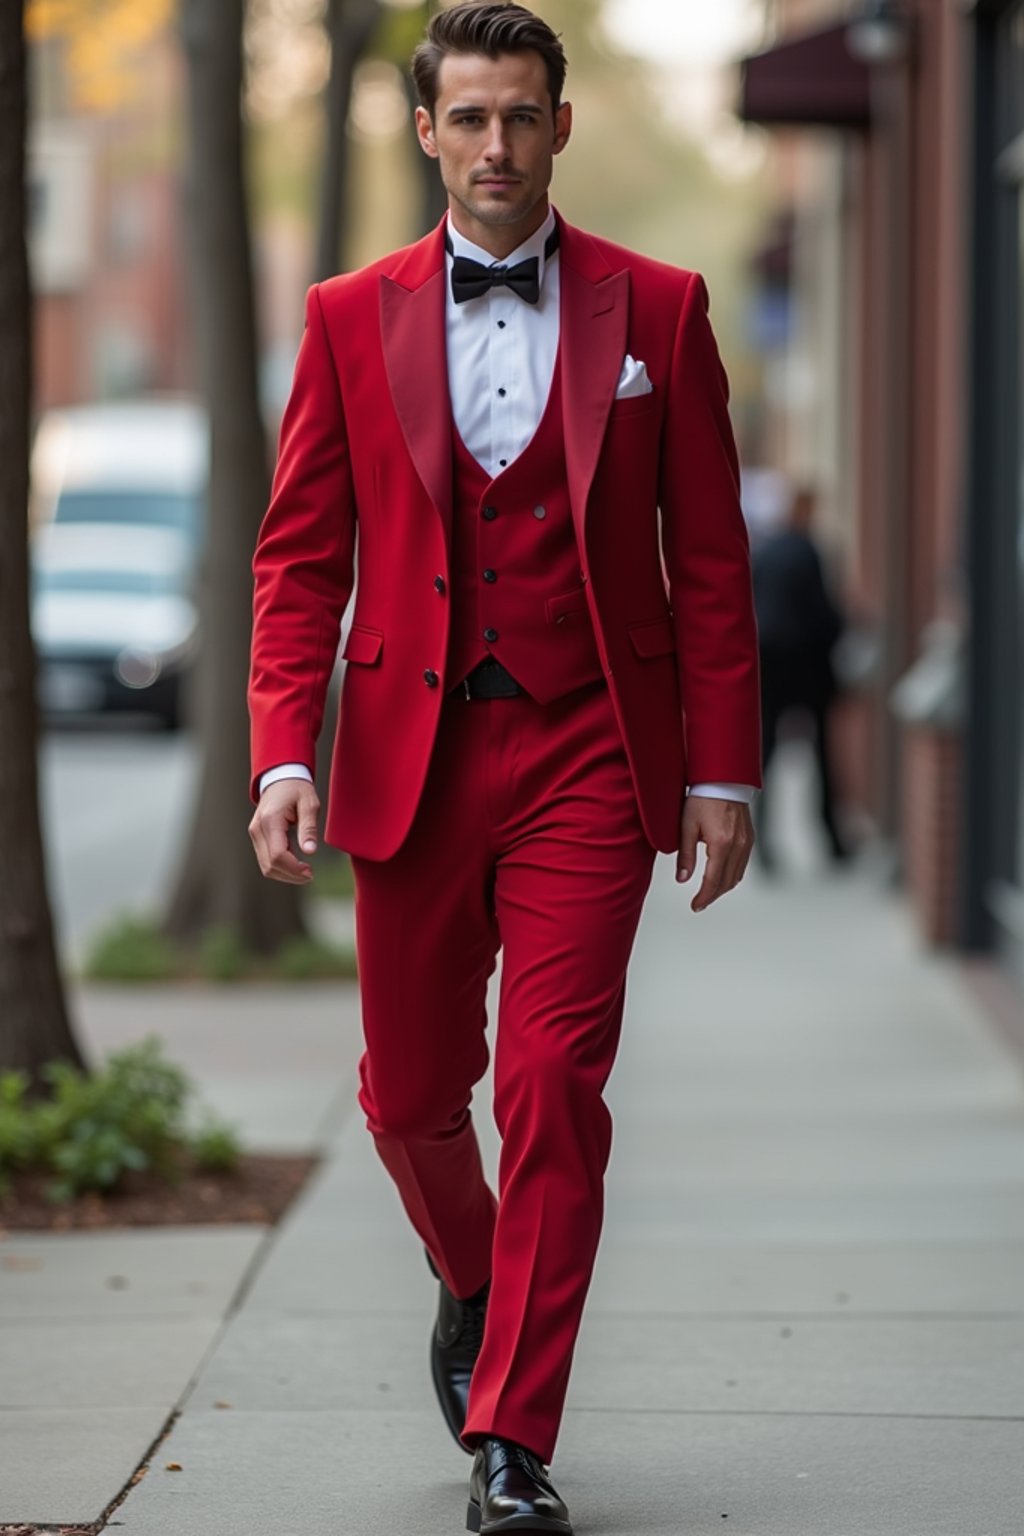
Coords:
634,405
363,645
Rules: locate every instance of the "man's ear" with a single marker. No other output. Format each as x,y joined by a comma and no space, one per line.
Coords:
425,133
563,126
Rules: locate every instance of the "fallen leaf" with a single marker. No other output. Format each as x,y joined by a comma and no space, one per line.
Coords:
174,1466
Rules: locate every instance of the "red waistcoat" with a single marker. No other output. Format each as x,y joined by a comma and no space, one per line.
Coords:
516,586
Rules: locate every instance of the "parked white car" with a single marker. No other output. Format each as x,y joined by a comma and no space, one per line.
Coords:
133,462
113,617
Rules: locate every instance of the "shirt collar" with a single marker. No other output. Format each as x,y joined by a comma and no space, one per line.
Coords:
532,247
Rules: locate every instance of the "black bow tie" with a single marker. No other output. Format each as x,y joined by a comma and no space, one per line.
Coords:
471,279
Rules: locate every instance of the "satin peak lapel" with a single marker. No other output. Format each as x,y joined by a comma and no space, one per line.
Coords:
595,320
415,356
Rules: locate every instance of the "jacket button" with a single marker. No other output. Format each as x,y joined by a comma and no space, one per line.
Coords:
540,513
491,576
430,678
490,635
439,585
490,513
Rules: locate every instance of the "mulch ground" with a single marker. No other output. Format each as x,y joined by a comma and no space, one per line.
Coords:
260,1189
50,1530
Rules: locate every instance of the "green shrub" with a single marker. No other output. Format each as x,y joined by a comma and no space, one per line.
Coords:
215,1147
333,875
302,959
131,1114
136,951
132,950
222,955
18,1135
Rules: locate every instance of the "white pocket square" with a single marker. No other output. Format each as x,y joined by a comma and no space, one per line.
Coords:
633,380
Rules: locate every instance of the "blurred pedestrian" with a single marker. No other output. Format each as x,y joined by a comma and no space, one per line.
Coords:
799,623
501,409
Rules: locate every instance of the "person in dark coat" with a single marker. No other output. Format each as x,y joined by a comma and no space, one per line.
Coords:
798,625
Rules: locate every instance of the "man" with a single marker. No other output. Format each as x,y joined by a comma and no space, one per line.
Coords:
798,625
535,673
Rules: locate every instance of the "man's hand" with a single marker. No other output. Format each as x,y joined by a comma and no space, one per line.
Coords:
727,830
287,803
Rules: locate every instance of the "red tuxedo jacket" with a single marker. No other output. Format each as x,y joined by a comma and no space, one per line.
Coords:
366,445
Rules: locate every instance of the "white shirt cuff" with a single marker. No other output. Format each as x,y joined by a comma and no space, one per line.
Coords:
285,771
742,792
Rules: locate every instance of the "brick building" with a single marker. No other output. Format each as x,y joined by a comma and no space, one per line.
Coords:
899,137
105,237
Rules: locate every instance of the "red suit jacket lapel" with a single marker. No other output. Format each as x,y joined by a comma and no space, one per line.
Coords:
595,326
594,329
416,360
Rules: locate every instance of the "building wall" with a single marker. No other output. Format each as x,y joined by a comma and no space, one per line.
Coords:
106,239
935,586
880,278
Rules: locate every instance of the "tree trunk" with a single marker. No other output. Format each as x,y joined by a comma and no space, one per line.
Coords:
350,25
220,882
34,1024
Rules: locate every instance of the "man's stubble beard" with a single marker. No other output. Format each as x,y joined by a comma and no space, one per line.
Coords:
496,216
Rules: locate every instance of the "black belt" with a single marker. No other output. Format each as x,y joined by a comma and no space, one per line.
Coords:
489,680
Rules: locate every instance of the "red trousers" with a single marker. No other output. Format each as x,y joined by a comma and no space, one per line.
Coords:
527,839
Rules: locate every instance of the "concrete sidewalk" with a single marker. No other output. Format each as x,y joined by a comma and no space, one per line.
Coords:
807,1317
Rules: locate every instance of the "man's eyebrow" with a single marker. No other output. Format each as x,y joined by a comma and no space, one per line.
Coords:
520,106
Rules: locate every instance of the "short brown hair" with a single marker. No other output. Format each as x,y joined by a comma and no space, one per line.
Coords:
492,29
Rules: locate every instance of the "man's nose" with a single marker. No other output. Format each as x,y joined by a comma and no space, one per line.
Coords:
496,149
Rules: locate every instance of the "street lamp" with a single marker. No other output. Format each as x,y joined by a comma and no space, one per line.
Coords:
879,33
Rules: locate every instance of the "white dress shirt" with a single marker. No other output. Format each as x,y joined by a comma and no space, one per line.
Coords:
501,360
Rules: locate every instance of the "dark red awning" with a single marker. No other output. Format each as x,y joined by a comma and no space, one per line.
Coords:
809,79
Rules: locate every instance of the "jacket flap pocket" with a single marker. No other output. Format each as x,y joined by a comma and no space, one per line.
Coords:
656,638
363,645
560,607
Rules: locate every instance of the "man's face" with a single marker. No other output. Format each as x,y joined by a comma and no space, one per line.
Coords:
495,134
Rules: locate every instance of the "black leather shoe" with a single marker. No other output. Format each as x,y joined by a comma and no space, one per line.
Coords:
509,1490
454,1345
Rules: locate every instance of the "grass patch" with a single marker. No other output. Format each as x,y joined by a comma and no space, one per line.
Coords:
332,875
134,950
